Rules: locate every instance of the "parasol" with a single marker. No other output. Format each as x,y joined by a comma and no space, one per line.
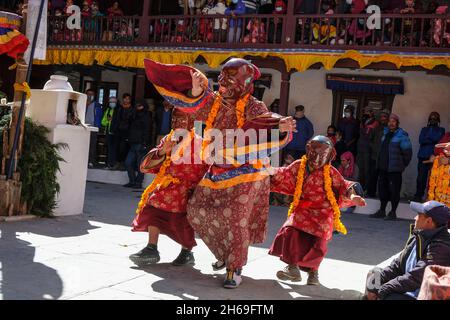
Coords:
12,42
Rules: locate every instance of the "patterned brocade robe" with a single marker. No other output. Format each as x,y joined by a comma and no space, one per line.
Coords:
174,197
230,206
314,214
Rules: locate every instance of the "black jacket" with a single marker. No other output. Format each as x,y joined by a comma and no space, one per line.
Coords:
433,248
140,128
121,124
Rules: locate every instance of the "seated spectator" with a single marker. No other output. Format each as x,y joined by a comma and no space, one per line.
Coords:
257,31
208,6
234,32
194,5
440,36
220,25
205,28
276,25
322,32
267,6
429,244
410,26
250,6
86,10
115,10
357,30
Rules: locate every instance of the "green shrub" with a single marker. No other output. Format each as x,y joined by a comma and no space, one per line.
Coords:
38,167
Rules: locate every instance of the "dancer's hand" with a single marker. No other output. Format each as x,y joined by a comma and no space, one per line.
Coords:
167,147
288,124
197,83
358,200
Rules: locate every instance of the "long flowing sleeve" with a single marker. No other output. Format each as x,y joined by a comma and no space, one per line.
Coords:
284,179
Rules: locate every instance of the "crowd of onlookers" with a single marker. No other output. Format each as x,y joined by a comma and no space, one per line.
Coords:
373,150
231,28
130,129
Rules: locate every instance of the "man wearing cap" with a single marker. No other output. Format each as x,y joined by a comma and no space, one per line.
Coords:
429,244
394,156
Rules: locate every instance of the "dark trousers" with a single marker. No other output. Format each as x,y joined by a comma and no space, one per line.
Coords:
112,143
123,148
364,163
93,148
373,180
389,186
133,162
423,169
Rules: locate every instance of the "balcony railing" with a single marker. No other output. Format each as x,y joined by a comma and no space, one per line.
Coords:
420,32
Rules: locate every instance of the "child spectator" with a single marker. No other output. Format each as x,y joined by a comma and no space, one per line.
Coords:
276,25
322,32
115,10
220,25
350,171
439,24
357,29
257,31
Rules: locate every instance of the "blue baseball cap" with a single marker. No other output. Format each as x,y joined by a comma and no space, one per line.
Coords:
437,211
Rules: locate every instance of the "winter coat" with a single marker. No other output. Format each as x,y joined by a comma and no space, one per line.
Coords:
429,137
305,131
140,128
400,150
433,248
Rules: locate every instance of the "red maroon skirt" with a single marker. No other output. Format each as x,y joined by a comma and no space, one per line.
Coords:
173,225
294,246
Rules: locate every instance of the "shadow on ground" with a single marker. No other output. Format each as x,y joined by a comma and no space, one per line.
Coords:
21,276
251,289
369,241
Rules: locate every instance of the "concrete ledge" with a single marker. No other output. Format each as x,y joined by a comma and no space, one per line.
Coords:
18,218
114,177
403,210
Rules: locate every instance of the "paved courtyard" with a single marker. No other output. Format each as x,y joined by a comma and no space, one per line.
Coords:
86,257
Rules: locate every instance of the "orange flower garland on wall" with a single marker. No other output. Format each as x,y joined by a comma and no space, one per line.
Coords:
439,182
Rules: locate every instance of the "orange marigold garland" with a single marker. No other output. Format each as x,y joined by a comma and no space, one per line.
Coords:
298,185
439,182
240,115
337,224
161,180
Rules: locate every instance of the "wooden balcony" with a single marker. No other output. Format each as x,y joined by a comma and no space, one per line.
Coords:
397,32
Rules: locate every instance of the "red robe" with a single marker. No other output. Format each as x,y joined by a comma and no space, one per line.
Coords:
166,208
230,206
303,238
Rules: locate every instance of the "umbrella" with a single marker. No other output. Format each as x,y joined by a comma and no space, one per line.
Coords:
12,42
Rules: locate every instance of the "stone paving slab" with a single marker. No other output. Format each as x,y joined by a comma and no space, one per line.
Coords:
86,257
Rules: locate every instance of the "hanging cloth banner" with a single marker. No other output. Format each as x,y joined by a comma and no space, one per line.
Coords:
32,16
12,42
